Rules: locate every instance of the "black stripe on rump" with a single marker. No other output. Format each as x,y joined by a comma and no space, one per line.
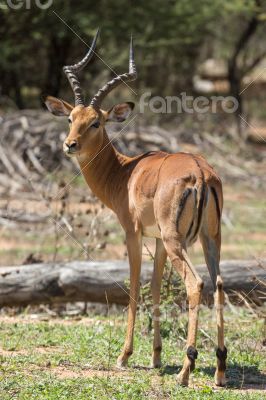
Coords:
182,203
190,229
193,220
216,202
200,209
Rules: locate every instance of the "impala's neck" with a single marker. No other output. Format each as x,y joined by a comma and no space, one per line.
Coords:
102,170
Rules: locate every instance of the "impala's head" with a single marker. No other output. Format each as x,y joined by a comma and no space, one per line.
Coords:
87,122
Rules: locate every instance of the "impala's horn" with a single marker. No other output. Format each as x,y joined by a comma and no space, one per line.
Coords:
112,84
71,72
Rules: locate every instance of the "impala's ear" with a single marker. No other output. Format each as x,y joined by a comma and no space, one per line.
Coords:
120,112
58,107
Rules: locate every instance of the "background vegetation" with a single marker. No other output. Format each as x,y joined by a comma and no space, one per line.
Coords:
172,38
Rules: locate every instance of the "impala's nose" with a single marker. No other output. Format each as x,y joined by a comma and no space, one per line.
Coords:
71,147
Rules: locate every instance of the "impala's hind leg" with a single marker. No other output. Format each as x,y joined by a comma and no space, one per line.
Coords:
210,237
194,286
159,263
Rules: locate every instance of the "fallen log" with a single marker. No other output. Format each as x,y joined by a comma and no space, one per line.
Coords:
92,281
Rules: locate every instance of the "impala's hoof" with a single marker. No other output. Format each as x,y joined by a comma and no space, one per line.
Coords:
183,378
219,378
121,363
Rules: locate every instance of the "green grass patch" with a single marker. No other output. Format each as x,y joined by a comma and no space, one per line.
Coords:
75,360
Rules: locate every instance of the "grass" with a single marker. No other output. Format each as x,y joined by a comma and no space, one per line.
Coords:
75,359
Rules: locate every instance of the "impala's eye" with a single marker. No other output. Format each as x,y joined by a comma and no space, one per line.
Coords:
96,124
69,120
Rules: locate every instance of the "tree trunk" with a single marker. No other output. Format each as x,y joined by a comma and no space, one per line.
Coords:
17,90
11,87
56,55
92,281
236,72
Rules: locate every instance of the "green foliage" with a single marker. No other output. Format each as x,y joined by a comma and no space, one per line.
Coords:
170,37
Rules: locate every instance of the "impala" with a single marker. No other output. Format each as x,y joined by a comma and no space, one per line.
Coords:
171,197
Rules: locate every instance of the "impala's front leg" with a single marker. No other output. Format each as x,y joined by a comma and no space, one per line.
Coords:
134,248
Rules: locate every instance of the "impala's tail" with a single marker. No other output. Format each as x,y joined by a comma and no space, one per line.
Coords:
202,193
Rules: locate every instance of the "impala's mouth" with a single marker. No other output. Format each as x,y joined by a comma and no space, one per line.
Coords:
70,152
